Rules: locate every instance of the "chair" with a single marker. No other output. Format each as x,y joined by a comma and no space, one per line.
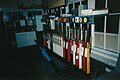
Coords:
113,75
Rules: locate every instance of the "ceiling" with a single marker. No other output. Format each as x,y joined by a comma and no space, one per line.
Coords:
15,3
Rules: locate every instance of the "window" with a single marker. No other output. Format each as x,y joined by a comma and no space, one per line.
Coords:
76,7
63,10
70,8
84,3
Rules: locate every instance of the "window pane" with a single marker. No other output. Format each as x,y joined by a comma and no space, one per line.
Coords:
84,2
114,6
99,24
99,4
112,24
70,8
76,7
